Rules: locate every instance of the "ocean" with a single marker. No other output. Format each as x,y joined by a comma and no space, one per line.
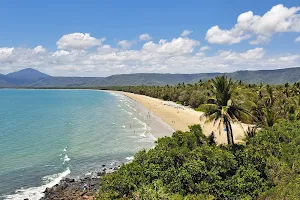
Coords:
46,135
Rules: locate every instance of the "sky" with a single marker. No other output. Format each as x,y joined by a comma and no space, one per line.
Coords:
101,38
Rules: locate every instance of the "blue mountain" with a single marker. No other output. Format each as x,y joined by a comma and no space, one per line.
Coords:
33,78
28,74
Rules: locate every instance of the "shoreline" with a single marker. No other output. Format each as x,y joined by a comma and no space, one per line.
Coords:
155,125
154,128
180,117
162,115
72,188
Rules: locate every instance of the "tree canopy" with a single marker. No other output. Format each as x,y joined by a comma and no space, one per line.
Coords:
188,166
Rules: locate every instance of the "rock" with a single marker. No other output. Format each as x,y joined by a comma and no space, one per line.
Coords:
104,169
101,173
26,199
64,186
69,180
103,165
116,168
46,190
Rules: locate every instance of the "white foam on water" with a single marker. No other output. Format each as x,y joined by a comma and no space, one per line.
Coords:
123,126
65,149
66,159
145,127
129,158
113,93
112,163
35,193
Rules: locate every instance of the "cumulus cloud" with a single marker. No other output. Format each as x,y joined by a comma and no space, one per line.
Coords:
260,39
145,37
5,53
60,53
78,41
125,44
178,46
297,39
204,48
185,33
279,19
39,49
290,58
179,55
253,54
215,35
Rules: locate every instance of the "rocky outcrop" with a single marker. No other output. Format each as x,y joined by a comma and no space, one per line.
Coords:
71,189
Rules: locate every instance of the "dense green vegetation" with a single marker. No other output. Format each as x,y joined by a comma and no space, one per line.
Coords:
190,166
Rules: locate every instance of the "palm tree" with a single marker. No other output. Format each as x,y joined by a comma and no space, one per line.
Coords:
223,109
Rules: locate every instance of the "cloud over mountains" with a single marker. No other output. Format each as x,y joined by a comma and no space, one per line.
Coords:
83,54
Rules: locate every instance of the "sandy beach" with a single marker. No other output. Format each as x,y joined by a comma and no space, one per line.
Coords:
181,117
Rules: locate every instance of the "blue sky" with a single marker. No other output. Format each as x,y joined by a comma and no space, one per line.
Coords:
255,43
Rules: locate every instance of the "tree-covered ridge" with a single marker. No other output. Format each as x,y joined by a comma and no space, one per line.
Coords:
189,165
277,76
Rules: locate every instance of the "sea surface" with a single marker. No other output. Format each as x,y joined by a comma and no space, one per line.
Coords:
46,135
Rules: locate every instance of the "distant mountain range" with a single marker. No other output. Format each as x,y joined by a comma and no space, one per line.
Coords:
32,78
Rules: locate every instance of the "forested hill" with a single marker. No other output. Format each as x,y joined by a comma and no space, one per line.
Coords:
33,78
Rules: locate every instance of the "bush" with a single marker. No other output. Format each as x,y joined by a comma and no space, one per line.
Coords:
189,166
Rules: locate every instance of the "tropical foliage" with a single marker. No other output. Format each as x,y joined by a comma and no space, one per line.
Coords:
188,166
223,108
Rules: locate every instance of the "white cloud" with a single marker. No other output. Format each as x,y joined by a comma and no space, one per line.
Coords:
185,33
125,44
5,53
78,41
250,55
215,35
60,53
178,46
279,19
179,55
106,46
39,49
145,37
204,48
260,39
290,58
253,54
297,39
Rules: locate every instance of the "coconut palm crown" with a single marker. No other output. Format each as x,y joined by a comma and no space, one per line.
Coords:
222,109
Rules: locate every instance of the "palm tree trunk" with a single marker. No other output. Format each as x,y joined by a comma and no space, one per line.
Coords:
229,132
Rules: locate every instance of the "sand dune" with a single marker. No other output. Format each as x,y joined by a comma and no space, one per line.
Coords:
180,117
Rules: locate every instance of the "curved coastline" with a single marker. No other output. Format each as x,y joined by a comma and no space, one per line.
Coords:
153,121
180,117
153,128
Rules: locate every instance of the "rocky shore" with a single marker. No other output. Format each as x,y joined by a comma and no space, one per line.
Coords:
72,189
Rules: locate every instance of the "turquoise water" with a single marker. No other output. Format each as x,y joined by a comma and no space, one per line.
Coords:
46,135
